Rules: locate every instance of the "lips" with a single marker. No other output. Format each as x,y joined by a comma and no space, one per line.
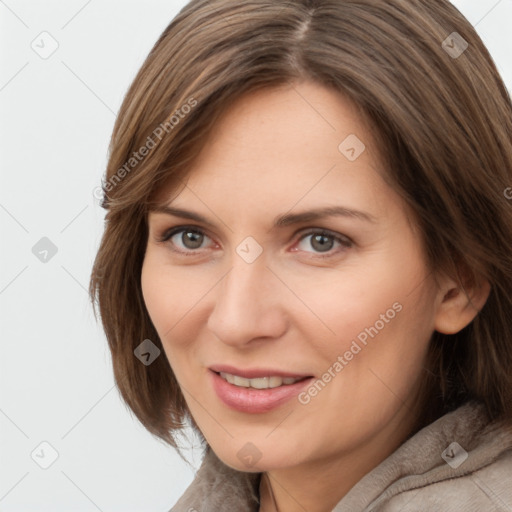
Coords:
254,373
255,401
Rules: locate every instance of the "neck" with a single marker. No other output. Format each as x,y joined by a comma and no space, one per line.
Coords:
318,486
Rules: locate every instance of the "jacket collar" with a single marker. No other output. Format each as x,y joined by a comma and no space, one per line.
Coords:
416,463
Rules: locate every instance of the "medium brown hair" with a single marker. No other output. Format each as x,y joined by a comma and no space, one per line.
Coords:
443,126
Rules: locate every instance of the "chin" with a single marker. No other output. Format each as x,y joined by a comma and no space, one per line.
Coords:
251,459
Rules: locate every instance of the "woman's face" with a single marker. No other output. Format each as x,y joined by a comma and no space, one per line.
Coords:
290,255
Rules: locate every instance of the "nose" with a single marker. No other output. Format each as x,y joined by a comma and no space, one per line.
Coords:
248,305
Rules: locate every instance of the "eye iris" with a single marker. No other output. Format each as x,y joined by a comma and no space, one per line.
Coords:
192,240
322,243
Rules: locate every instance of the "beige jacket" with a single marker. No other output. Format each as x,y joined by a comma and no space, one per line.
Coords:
427,473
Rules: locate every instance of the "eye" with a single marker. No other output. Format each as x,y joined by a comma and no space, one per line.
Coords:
190,239
186,238
322,241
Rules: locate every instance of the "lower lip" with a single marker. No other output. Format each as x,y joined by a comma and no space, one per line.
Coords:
252,400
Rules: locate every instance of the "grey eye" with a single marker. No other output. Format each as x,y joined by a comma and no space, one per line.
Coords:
319,242
322,243
188,239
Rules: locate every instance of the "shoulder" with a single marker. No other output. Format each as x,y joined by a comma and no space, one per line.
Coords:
486,489
461,462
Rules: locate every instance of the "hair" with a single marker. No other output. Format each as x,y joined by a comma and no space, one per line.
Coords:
442,124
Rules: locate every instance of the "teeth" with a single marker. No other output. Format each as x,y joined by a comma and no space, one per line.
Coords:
259,383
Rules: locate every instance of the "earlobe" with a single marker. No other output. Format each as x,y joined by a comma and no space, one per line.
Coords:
459,306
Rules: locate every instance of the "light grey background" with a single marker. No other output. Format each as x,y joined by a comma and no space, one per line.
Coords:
56,383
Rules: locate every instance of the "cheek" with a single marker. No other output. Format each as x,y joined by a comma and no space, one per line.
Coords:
174,298
153,286
383,348
170,293
345,304
164,306
373,314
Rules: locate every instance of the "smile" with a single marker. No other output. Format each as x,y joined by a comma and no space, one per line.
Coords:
257,394
260,382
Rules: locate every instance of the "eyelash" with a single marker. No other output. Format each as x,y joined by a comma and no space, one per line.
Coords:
344,241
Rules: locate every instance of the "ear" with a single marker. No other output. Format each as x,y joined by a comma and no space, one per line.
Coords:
459,305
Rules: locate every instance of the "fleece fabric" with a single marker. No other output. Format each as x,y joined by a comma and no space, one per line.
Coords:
459,463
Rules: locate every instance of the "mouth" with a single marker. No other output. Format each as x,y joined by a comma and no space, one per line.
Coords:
269,382
256,373
257,394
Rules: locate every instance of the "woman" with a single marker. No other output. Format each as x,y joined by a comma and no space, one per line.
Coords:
307,213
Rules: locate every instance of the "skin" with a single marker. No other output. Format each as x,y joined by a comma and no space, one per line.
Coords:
275,152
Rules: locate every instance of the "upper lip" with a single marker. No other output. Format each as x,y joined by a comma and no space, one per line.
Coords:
254,373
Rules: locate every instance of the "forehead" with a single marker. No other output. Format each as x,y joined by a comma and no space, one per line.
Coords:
278,147
291,122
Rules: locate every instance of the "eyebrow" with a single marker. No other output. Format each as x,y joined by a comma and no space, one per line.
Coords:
281,221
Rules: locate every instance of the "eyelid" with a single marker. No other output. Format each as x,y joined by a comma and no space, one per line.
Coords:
323,231
168,233
189,227
345,241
